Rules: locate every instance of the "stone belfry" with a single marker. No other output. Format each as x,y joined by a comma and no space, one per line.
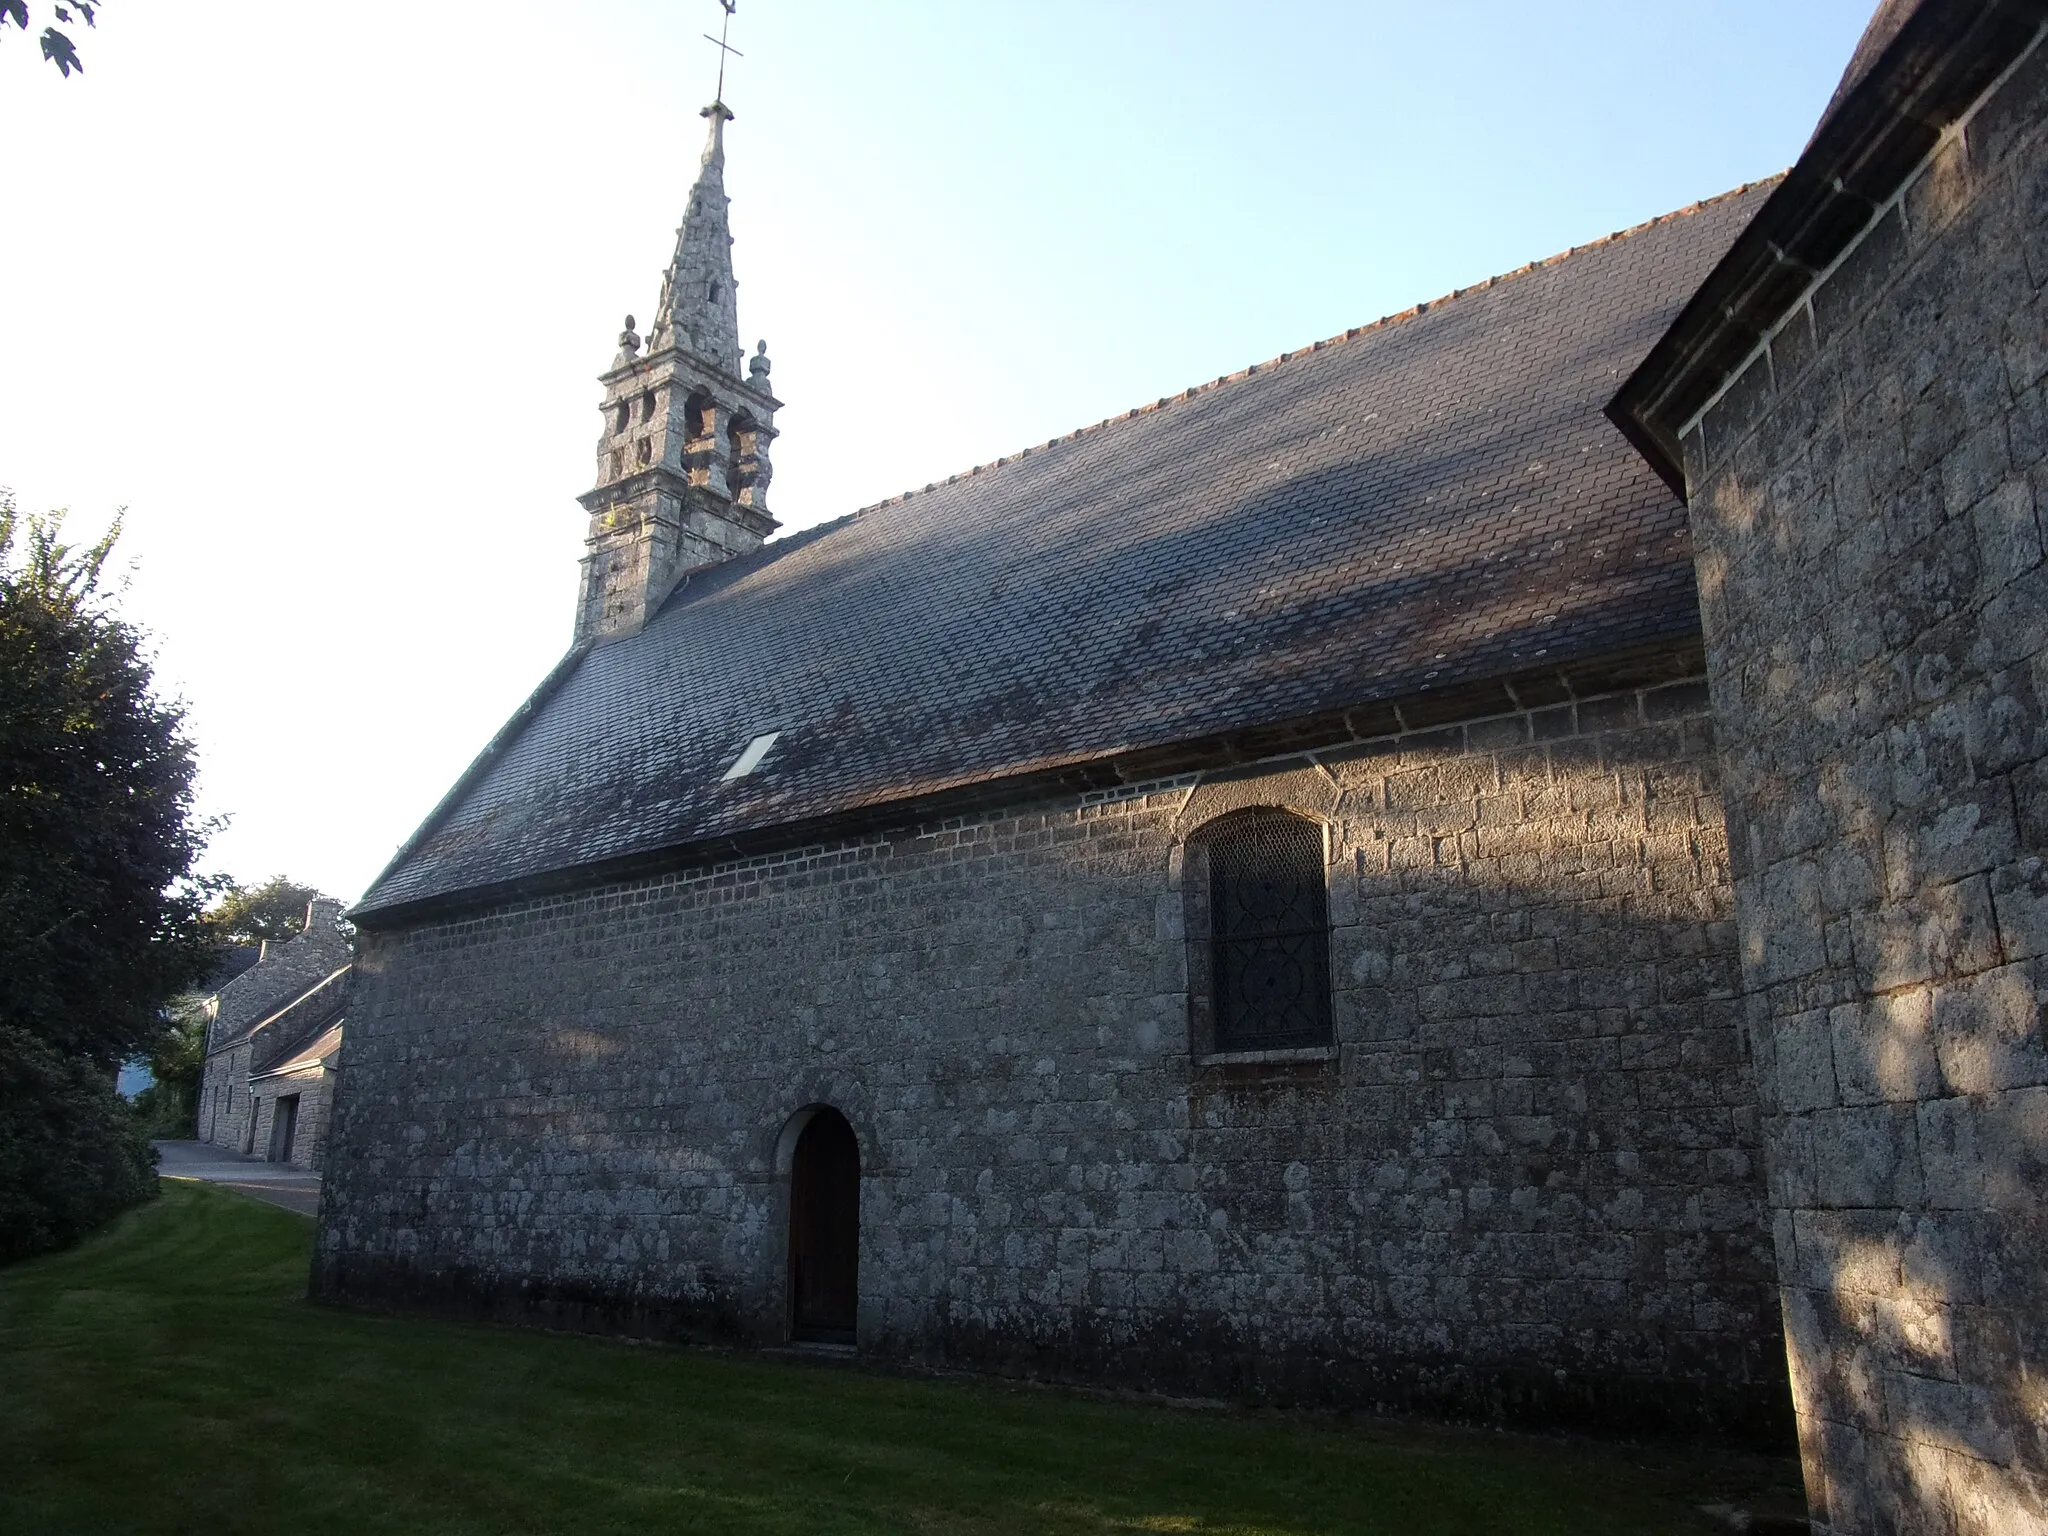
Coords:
682,467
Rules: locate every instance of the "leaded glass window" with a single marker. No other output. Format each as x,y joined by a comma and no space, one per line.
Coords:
1269,932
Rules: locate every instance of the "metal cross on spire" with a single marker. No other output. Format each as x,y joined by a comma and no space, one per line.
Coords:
723,46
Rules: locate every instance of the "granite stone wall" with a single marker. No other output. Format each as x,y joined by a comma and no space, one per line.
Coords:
287,969
1869,515
224,1102
1522,1184
314,1087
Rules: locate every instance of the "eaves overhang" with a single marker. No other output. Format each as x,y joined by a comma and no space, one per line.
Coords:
1326,737
1941,59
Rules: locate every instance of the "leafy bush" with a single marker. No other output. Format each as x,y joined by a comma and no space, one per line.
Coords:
72,1153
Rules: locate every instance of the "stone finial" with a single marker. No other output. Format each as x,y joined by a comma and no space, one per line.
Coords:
629,345
758,366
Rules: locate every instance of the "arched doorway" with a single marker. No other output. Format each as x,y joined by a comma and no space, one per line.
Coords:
824,1230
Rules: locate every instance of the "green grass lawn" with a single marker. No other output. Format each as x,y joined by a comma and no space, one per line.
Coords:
169,1376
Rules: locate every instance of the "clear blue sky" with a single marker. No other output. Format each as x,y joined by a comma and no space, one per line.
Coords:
321,302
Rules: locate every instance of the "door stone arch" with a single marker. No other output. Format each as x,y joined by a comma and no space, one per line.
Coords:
823,1160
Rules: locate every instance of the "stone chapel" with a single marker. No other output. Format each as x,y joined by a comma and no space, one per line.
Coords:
1491,863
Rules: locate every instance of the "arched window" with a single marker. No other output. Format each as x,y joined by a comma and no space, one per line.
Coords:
1260,935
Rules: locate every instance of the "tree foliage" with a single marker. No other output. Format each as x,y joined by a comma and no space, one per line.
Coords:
57,46
273,911
169,1106
101,922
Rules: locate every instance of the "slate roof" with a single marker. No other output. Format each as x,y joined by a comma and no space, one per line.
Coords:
285,972
318,1051
230,961
1423,502
303,1019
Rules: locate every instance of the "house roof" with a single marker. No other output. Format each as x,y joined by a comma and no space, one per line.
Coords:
229,962
1411,506
286,971
301,1019
313,1053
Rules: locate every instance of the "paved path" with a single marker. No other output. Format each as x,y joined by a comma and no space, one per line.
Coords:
293,1188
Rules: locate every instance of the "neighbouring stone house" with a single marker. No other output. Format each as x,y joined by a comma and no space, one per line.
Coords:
1239,898
273,1045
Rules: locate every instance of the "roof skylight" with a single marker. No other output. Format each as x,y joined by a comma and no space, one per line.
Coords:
750,759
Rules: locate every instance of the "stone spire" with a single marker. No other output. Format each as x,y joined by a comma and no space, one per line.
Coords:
682,465
699,313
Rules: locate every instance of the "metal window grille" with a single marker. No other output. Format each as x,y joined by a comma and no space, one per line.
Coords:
1269,927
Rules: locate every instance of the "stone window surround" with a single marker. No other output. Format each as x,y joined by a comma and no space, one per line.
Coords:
1308,793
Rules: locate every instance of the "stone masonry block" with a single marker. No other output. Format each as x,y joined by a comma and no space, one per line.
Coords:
1866,1158
1949,931
1949,1415
1952,1170
2012,1139
2008,538
1884,1049
1988,1030
2020,902
1783,936
1805,1076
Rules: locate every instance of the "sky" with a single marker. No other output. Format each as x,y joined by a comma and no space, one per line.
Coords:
321,303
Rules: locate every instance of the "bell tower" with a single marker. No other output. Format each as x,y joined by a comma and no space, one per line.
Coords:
682,465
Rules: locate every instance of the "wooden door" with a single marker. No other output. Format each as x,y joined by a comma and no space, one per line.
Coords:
284,1126
824,1230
